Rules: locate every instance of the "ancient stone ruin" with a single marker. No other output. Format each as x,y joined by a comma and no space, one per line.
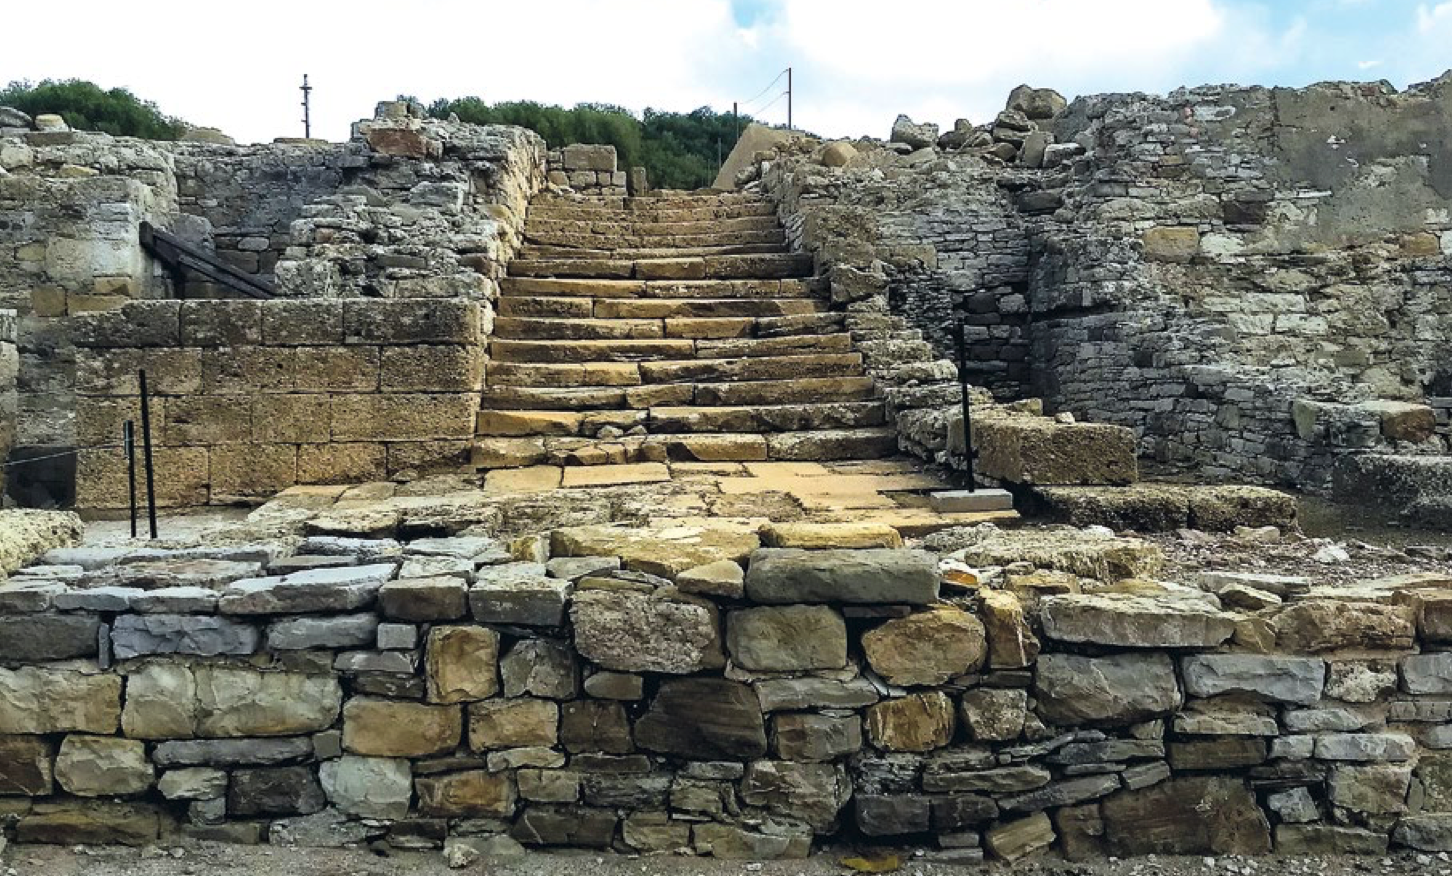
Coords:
530,508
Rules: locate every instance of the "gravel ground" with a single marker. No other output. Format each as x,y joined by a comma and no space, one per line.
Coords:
206,859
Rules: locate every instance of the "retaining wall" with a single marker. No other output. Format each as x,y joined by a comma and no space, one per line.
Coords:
252,397
824,694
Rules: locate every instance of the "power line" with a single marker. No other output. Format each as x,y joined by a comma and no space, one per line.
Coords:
767,88
58,455
770,105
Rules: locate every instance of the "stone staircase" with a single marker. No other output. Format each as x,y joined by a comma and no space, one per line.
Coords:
678,327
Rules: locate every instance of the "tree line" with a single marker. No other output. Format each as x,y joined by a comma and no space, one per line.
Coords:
678,150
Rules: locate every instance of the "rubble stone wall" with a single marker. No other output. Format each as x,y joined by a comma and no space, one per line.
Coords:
822,694
252,397
588,170
1255,280
409,208
9,400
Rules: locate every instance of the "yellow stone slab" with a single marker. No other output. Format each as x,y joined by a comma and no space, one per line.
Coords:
918,522
534,479
616,475
820,536
787,469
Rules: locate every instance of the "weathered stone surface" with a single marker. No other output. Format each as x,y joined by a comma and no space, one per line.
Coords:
703,718
1088,553
1427,673
1225,753
595,726
1325,625
926,648
318,590
541,668
1328,839
468,794
102,766
789,638
26,766
1114,690
1427,833
229,752
1365,746
920,722
136,635
26,534
44,637
780,575
721,578
635,632
805,736
913,134
665,551
292,790
193,783
513,723
810,792
730,842
615,686
241,702
1132,621
385,728
41,700
1062,793
778,694
369,787
820,536
1015,840
519,593
994,715
1271,677
957,771
425,599
1377,789
91,822
342,631
1199,815
1011,641
562,826
461,664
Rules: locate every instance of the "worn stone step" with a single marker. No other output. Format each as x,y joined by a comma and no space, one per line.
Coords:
818,446
546,328
535,251
768,266
535,287
686,328
671,245
694,209
825,414
800,324
591,351
640,226
783,392
786,345
573,374
761,368
582,398
705,307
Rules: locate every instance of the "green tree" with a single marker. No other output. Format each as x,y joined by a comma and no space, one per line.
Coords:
678,150
88,107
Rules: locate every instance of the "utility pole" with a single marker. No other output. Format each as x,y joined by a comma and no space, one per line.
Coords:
736,119
307,91
789,98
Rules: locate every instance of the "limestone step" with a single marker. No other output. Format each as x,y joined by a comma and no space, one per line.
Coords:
819,446
677,420
536,251
768,266
665,350
773,239
705,308
639,226
598,328
750,393
535,287
641,209
624,373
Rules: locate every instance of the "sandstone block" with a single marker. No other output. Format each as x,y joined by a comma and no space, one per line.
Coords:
723,578
1037,450
811,792
469,794
102,766
789,638
1014,840
819,536
541,668
1209,815
387,728
424,599
91,822
1011,640
26,766
920,722
1171,243
1271,677
1324,625
43,700
461,664
1375,789
926,648
809,737
513,723
1135,621
994,715
505,596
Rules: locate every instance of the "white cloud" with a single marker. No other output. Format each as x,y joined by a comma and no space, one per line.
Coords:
857,63
1368,65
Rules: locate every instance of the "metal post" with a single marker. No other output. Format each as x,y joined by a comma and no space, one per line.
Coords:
128,438
789,99
968,450
146,456
307,91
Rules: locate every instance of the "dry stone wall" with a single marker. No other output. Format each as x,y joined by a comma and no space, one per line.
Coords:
1255,280
9,401
716,698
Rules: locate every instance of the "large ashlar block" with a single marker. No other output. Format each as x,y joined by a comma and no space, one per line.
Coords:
291,419
447,368
1035,450
336,369
410,321
403,417
343,463
582,156
182,477
115,372
253,470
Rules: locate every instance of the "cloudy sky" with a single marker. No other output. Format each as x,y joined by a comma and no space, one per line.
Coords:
856,63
